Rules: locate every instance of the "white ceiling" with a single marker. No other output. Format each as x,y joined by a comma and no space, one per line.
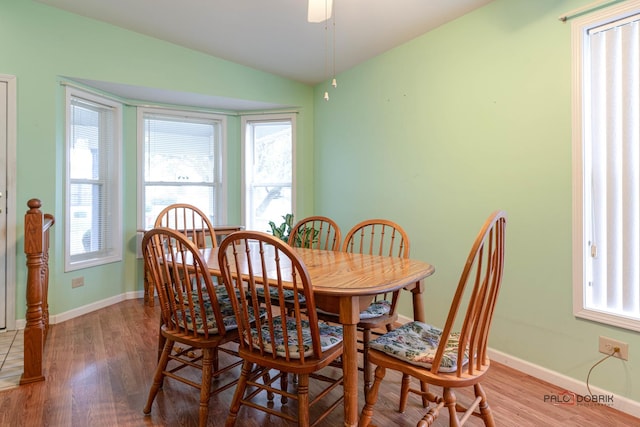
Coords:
274,35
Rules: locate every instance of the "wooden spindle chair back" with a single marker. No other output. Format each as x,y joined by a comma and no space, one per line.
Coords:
316,232
249,261
189,220
460,358
194,325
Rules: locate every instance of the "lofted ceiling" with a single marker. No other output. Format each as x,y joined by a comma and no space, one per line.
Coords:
274,35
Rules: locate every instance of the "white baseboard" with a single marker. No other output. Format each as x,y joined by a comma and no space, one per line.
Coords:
76,312
620,403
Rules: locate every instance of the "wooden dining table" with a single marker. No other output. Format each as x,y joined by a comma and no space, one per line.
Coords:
345,283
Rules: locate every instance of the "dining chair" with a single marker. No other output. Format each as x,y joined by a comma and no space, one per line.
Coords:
278,343
316,232
191,221
193,314
450,358
313,232
375,237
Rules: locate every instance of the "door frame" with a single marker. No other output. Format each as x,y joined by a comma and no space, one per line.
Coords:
10,253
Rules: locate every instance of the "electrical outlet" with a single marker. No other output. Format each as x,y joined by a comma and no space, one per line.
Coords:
609,345
76,282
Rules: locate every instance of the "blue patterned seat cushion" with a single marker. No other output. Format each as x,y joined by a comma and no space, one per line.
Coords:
330,336
417,343
375,309
226,309
273,293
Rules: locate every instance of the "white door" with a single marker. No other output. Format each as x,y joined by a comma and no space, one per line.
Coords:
3,203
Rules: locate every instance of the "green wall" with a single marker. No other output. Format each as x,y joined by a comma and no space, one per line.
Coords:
41,44
437,133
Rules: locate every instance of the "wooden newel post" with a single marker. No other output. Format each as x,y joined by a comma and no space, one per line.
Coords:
36,250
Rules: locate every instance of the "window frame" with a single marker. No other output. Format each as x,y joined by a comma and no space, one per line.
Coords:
266,118
110,175
581,199
220,184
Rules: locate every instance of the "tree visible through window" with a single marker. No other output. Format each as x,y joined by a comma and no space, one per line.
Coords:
268,169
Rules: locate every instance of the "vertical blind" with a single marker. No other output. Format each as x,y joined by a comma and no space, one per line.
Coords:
612,136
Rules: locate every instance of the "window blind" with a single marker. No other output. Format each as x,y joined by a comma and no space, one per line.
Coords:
93,190
182,162
612,111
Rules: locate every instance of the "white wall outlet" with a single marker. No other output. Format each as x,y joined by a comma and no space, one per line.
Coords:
76,282
609,346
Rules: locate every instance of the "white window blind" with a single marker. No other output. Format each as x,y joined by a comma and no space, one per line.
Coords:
610,156
182,154
93,214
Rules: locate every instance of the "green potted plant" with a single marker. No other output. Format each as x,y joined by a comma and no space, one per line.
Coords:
283,230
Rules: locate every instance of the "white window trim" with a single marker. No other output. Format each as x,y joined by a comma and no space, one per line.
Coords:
221,207
116,253
579,27
10,254
243,134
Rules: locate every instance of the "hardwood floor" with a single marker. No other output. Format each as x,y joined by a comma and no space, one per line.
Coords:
98,370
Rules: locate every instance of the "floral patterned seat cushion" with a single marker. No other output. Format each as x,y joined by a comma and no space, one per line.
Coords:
330,336
226,309
273,293
375,309
417,343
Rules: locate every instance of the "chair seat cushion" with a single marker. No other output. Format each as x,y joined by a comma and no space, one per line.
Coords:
226,309
375,309
273,294
330,336
417,343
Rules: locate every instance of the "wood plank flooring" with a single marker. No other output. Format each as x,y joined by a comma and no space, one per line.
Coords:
98,369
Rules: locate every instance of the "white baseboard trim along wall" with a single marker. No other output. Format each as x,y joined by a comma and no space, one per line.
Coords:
572,385
569,384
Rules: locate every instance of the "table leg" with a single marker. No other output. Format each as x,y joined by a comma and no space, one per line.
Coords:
418,314
418,305
350,374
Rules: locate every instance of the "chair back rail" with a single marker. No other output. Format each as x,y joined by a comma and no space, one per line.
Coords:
182,282
316,232
36,247
378,237
252,252
479,285
189,220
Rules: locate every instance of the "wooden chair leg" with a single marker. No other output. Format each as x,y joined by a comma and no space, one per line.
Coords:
371,398
366,336
284,385
485,410
158,377
205,386
449,398
216,363
424,388
239,394
404,392
303,400
161,342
